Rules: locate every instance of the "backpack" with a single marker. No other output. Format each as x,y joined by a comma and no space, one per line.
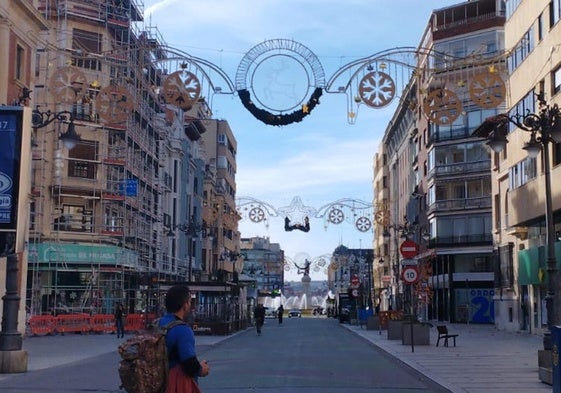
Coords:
144,362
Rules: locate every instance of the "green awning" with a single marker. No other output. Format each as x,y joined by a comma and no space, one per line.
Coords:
532,269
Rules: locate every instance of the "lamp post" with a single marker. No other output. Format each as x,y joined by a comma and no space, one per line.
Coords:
191,229
544,127
40,119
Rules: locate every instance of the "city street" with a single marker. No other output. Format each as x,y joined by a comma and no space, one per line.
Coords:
303,355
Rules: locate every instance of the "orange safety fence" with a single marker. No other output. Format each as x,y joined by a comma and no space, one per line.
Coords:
76,323
103,323
42,325
83,323
134,322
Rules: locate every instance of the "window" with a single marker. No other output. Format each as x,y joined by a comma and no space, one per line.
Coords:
74,218
554,12
20,63
86,42
521,50
81,160
504,274
522,173
556,80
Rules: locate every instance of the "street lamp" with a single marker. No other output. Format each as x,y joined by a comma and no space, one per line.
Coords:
544,127
40,119
191,229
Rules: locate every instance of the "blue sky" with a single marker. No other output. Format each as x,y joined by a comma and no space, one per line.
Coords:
323,158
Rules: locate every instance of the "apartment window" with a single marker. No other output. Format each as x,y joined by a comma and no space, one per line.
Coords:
540,27
74,218
505,267
556,80
522,173
86,42
554,12
521,50
82,160
20,63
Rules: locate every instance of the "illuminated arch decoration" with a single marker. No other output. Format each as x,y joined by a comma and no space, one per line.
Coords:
297,215
436,84
282,52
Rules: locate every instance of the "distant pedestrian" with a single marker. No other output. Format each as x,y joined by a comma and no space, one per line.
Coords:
280,312
259,315
119,315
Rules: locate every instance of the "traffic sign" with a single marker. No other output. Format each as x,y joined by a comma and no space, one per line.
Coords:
408,262
410,274
409,249
355,280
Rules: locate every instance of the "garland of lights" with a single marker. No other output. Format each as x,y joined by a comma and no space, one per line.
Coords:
280,119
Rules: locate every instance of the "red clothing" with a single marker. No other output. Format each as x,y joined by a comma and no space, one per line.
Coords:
178,382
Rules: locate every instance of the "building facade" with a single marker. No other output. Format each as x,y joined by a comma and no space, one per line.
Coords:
532,33
443,185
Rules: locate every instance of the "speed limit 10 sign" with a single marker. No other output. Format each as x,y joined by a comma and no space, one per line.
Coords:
410,274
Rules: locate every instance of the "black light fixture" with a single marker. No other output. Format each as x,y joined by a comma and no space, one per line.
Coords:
40,119
544,128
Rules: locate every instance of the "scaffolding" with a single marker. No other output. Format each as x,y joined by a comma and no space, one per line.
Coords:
96,225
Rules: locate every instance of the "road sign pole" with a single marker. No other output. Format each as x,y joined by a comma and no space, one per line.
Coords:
412,340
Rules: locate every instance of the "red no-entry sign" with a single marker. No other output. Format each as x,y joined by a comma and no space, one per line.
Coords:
409,249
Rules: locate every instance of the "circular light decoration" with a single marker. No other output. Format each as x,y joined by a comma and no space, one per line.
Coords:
442,106
280,74
336,216
376,89
67,84
114,104
363,224
382,217
182,89
256,214
487,90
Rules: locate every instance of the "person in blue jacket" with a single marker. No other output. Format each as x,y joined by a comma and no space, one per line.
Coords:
184,367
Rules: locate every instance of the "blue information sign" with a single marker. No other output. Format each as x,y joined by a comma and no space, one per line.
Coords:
10,125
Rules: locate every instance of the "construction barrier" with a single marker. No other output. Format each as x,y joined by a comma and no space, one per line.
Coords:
134,322
73,323
41,325
103,323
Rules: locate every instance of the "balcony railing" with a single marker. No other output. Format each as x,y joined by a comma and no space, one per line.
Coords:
461,168
461,240
461,204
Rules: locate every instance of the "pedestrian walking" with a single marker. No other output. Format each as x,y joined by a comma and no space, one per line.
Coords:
280,312
259,315
184,366
119,324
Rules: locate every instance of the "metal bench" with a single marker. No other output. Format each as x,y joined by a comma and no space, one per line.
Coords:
443,334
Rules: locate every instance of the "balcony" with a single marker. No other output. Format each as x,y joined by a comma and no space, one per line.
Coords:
461,204
461,240
461,168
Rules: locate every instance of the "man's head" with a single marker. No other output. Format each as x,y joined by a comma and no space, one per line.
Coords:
178,298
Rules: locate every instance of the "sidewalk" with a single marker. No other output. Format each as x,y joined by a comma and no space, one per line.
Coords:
51,351
485,360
